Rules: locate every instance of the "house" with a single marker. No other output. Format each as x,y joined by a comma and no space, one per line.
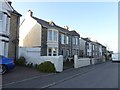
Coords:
90,48
14,33
4,26
85,47
51,38
75,50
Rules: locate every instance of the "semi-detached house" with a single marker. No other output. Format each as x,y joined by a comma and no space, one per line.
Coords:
51,38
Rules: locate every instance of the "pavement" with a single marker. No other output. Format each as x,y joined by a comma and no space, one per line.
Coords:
81,77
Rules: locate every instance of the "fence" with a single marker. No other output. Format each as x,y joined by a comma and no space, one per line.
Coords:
33,55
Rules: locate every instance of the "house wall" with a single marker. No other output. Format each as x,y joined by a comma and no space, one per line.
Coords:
82,47
75,49
89,51
25,27
65,49
44,41
14,36
33,37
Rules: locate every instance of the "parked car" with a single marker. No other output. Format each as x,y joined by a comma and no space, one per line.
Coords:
116,57
6,64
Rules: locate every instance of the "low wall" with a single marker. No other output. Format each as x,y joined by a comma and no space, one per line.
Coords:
32,55
98,60
81,62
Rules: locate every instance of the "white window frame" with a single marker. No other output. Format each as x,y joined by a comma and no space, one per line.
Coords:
52,35
52,51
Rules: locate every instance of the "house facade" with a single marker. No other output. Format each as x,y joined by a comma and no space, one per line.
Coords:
4,27
51,38
91,48
75,49
14,33
86,47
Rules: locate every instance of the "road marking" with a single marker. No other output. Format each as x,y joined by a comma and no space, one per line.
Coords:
68,78
27,79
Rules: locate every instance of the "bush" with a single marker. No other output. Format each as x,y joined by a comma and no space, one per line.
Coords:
46,67
21,61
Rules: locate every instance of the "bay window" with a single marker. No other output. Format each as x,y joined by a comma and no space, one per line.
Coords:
52,35
52,51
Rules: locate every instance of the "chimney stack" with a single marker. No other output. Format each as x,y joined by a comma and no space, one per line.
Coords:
66,27
29,14
9,2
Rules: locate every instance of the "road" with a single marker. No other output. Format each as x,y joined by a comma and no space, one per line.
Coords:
103,75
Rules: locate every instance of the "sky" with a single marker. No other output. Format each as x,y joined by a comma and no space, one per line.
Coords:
96,20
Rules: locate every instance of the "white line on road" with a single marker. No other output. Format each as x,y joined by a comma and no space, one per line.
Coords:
27,79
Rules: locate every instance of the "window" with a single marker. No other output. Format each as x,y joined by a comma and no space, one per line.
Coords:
67,40
52,35
1,15
73,39
5,49
55,35
49,34
93,47
76,41
7,22
62,39
54,51
87,45
50,52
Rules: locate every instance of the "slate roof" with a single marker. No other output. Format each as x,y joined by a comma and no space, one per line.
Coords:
48,25
74,33
86,39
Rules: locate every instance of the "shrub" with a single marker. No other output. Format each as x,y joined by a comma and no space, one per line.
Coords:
21,61
46,67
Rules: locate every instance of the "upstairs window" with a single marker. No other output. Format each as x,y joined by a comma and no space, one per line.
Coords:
62,39
49,34
52,35
55,35
73,39
67,40
1,16
76,41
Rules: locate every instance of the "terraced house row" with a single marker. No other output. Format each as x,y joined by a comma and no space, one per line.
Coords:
55,40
